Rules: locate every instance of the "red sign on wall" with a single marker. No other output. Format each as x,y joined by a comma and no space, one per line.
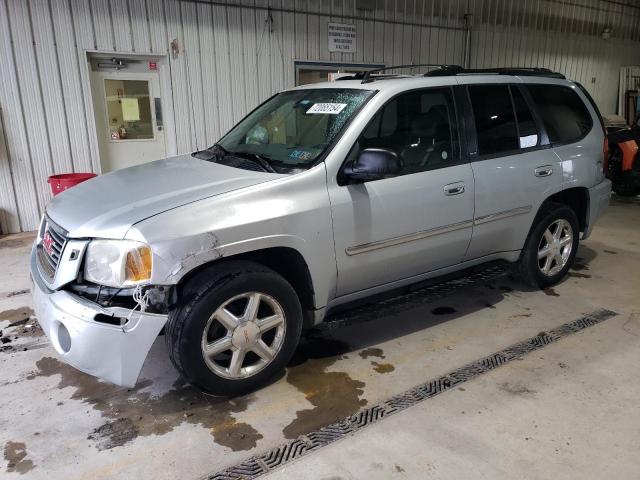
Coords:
153,66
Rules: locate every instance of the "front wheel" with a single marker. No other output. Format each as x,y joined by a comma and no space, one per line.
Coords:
551,247
236,329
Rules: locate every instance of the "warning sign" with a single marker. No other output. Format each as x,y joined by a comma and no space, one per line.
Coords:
342,37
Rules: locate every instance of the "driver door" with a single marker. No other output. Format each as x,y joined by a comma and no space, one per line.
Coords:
421,220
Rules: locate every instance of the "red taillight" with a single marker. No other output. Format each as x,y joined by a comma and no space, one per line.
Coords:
605,155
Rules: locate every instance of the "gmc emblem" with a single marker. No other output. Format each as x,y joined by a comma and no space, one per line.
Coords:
47,243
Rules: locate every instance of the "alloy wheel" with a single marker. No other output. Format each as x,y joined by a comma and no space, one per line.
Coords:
243,335
555,247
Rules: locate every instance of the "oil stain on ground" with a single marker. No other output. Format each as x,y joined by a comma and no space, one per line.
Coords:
133,412
578,275
16,315
15,453
383,367
16,242
334,395
516,389
372,352
551,292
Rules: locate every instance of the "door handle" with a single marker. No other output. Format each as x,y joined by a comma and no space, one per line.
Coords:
543,171
454,189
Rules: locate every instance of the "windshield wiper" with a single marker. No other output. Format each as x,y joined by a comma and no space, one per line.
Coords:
217,152
213,153
264,162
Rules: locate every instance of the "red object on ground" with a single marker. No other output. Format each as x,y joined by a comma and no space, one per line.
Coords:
60,183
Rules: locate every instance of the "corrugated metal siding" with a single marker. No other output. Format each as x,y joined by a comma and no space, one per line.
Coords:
235,54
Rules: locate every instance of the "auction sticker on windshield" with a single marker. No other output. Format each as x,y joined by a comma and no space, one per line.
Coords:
327,108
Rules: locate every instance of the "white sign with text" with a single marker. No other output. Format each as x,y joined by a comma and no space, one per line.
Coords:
342,37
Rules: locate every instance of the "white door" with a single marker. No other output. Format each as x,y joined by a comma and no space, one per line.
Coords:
128,114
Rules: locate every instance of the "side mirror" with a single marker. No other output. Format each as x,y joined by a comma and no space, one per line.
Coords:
373,164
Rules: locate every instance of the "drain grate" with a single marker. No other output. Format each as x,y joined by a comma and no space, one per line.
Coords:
411,299
279,456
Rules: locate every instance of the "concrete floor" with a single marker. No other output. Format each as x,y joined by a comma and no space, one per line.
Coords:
568,410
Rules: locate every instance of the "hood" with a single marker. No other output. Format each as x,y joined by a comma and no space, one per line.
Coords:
108,205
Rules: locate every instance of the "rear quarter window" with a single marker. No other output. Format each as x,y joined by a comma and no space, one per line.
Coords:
564,115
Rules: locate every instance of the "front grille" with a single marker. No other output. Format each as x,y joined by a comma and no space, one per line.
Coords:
50,247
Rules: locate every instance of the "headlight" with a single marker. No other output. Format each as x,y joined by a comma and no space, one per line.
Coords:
117,263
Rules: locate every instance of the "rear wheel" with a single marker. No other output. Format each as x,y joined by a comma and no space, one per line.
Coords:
235,330
551,247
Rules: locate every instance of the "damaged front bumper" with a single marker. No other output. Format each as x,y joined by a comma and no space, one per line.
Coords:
110,352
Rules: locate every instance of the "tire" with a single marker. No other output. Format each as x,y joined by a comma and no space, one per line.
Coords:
536,272
236,286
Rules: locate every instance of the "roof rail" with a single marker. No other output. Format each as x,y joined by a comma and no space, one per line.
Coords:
367,76
516,71
451,70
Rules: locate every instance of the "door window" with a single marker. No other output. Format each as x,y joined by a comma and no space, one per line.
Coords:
128,109
419,126
494,119
563,114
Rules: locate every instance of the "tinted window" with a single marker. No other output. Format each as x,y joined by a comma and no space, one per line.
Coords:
494,118
563,114
527,130
419,126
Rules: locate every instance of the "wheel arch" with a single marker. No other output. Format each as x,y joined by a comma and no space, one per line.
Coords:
286,261
576,198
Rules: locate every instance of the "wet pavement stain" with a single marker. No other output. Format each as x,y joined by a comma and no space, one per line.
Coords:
551,292
17,293
15,453
578,275
17,314
22,324
521,315
579,265
334,395
16,242
383,367
372,352
515,389
133,412
443,311
114,434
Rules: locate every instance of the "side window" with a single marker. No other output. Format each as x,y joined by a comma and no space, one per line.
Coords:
495,122
563,114
527,130
419,126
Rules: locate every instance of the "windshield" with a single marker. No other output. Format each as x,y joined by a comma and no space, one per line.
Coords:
294,128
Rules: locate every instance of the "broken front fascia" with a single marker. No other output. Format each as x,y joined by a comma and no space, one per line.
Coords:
110,352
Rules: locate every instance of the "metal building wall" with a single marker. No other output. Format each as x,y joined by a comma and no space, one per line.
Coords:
236,53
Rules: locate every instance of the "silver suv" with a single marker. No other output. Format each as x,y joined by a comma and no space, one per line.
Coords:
321,196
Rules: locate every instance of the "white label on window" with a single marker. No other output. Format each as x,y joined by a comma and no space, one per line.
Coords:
327,108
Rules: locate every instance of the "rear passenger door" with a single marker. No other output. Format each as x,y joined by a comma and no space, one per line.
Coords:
514,168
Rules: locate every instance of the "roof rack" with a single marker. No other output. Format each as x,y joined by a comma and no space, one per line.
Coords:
450,70
368,77
515,71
